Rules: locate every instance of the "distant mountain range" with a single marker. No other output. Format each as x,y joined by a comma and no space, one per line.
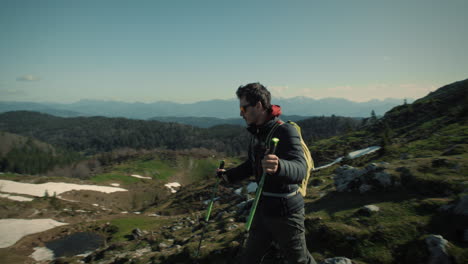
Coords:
225,109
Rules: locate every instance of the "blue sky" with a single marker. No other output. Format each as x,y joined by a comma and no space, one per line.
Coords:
187,51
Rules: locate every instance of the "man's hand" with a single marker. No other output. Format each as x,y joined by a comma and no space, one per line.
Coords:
221,173
270,163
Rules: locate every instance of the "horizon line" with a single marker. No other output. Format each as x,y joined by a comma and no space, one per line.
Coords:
207,100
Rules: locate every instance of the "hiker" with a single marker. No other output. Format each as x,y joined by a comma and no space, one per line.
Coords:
280,213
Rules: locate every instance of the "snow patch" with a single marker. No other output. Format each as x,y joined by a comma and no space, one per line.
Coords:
115,184
17,198
42,254
362,152
352,155
13,230
51,188
140,177
172,186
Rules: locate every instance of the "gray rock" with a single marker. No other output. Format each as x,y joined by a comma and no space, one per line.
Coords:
232,227
365,188
175,228
345,175
371,167
437,247
137,233
348,178
245,204
384,164
163,246
337,260
369,210
462,206
384,178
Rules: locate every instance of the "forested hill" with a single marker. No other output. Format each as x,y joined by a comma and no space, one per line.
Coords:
26,155
99,134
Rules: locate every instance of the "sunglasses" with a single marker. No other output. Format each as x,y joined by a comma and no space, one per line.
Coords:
243,108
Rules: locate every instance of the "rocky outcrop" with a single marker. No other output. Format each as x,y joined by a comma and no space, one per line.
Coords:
337,260
462,206
373,176
369,210
437,247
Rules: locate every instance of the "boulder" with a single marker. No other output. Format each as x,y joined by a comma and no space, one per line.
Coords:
462,206
348,178
437,247
137,233
163,246
384,179
245,205
365,188
337,260
371,167
369,210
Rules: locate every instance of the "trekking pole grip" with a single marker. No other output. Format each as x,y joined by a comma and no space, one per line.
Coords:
221,166
275,144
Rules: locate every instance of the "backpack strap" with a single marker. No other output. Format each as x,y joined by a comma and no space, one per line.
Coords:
272,131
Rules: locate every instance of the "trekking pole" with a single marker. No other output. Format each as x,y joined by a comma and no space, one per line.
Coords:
257,196
210,206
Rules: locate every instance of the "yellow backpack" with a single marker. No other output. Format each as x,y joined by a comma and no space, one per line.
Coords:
307,156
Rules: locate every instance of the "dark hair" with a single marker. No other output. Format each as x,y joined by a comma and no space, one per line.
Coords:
255,92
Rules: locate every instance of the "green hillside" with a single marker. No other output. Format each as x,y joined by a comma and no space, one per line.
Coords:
380,208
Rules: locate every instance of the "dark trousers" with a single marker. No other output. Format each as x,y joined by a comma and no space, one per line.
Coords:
286,231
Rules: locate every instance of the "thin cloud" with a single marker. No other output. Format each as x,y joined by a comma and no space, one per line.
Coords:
278,91
28,78
11,92
344,88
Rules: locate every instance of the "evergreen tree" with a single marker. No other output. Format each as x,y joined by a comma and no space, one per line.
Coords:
373,117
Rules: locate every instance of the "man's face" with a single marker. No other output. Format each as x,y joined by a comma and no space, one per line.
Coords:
248,112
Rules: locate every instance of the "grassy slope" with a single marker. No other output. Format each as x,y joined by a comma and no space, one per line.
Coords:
408,213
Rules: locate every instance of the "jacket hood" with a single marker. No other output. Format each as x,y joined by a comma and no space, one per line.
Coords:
275,111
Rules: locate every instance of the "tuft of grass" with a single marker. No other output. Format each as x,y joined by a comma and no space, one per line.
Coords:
204,169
